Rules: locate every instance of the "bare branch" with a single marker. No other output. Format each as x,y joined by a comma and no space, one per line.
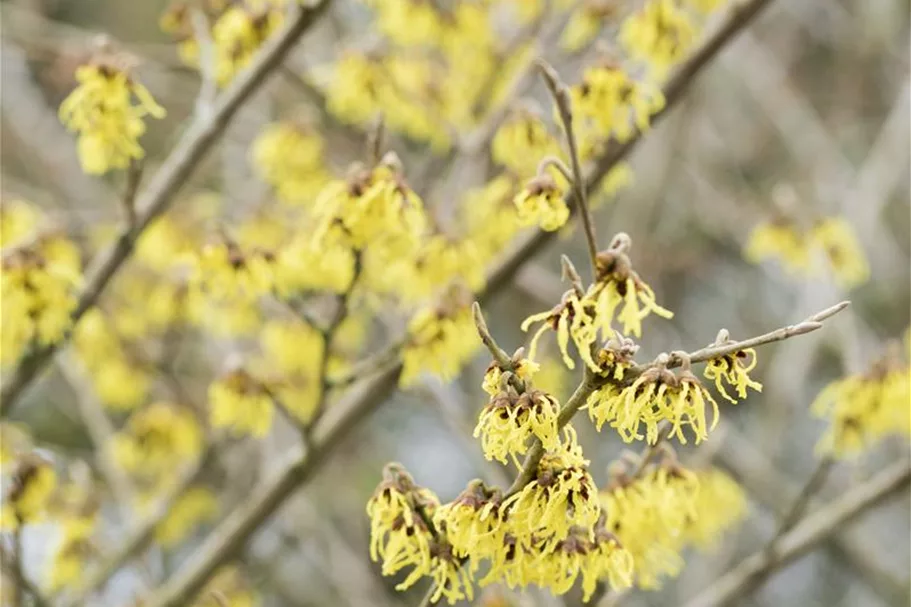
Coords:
805,536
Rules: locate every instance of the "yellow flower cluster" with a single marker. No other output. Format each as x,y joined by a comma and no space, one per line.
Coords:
119,381
38,283
610,103
157,440
584,317
289,157
108,110
27,491
521,142
236,31
73,551
541,202
441,339
242,403
656,395
373,207
586,22
831,238
510,419
863,409
659,35
662,509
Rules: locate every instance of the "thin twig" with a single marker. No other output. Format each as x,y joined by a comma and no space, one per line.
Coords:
564,108
498,353
810,532
134,177
23,585
157,196
208,64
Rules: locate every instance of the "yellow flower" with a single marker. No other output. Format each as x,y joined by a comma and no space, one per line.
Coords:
618,178
618,286
541,202
660,34
440,340
573,317
305,264
109,122
38,289
224,271
509,420
68,565
194,507
374,207
779,239
561,495
490,216
601,557
289,157
836,238
291,347
163,244
242,403
158,440
399,535
655,396
471,523
733,369
649,514
609,103
720,504
29,492
585,23
408,22
18,221
863,409
355,87
521,142
525,369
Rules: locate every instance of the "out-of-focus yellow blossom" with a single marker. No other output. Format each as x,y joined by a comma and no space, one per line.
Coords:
782,240
18,221
163,244
224,271
541,202
618,286
521,142
292,347
408,22
656,395
27,494
242,403
70,559
222,317
865,408
236,29
660,35
306,265
440,262
228,588
267,229
609,103
38,288
529,10
836,238
120,382
146,305
440,341
720,504
649,515
733,370
586,22
374,207
553,377
289,157
194,507
561,495
355,87
509,420
573,317
158,440
108,110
